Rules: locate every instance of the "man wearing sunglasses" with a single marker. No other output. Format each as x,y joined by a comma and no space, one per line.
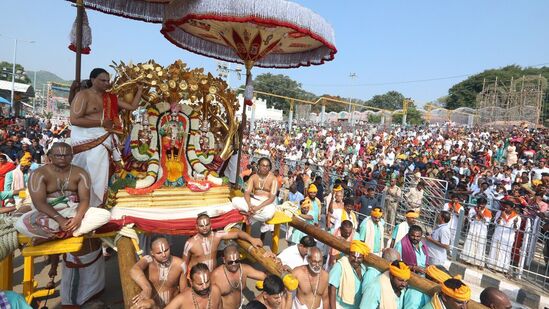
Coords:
231,278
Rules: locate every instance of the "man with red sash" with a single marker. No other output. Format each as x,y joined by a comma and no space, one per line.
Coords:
94,117
414,253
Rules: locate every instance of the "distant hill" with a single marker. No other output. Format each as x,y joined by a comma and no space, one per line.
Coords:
44,77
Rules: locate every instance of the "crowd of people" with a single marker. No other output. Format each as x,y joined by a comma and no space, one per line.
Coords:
331,177
497,179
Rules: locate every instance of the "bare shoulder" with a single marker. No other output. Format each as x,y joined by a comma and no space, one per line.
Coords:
179,300
299,270
81,96
217,271
77,170
176,260
216,292
247,268
84,93
41,171
324,275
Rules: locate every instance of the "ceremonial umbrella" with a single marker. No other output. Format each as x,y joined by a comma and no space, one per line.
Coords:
144,10
269,34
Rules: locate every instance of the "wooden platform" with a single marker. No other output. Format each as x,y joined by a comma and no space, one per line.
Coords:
175,198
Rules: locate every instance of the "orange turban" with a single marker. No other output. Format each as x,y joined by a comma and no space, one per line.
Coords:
461,294
312,188
376,213
359,247
306,202
402,271
412,214
438,275
338,188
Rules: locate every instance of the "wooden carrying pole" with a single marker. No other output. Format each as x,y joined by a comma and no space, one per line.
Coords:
424,285
126,259
262,257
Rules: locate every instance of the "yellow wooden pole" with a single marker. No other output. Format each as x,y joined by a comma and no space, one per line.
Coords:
28,278
276,239
6,269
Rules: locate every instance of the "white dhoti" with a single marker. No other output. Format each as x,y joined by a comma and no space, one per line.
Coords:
83,277
296,304
36,224
475,244
501,249
264,214
95,161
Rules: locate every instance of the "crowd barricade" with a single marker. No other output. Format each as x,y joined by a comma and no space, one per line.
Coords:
527,250
520,253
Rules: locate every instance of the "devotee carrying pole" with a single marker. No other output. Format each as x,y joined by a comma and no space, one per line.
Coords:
424,285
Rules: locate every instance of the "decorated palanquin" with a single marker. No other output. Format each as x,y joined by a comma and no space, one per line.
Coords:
173,148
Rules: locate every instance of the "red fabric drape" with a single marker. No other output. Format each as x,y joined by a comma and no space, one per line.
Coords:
174,227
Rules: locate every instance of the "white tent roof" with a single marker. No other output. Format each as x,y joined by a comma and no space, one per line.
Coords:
18,87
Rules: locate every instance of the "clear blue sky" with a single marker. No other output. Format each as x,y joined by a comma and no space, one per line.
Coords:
383,42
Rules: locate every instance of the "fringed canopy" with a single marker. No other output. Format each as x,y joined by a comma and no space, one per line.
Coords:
272,34
145,10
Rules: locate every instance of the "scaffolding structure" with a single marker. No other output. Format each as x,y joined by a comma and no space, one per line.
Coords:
514,102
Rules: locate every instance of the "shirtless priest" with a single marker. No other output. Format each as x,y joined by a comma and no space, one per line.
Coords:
157,275
312,291
202,294
259,198
231,278
202,247
60,194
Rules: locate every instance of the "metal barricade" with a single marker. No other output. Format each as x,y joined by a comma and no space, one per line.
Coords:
518,249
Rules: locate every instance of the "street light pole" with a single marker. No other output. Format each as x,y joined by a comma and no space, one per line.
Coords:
34,88
13,74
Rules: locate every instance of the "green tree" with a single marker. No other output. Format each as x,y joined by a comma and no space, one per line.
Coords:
6,69
464,94
413,116
391,100
282,85
337,107
374,118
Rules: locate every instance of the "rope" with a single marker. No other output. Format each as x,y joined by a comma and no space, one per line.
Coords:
128,231
8,237
289,208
